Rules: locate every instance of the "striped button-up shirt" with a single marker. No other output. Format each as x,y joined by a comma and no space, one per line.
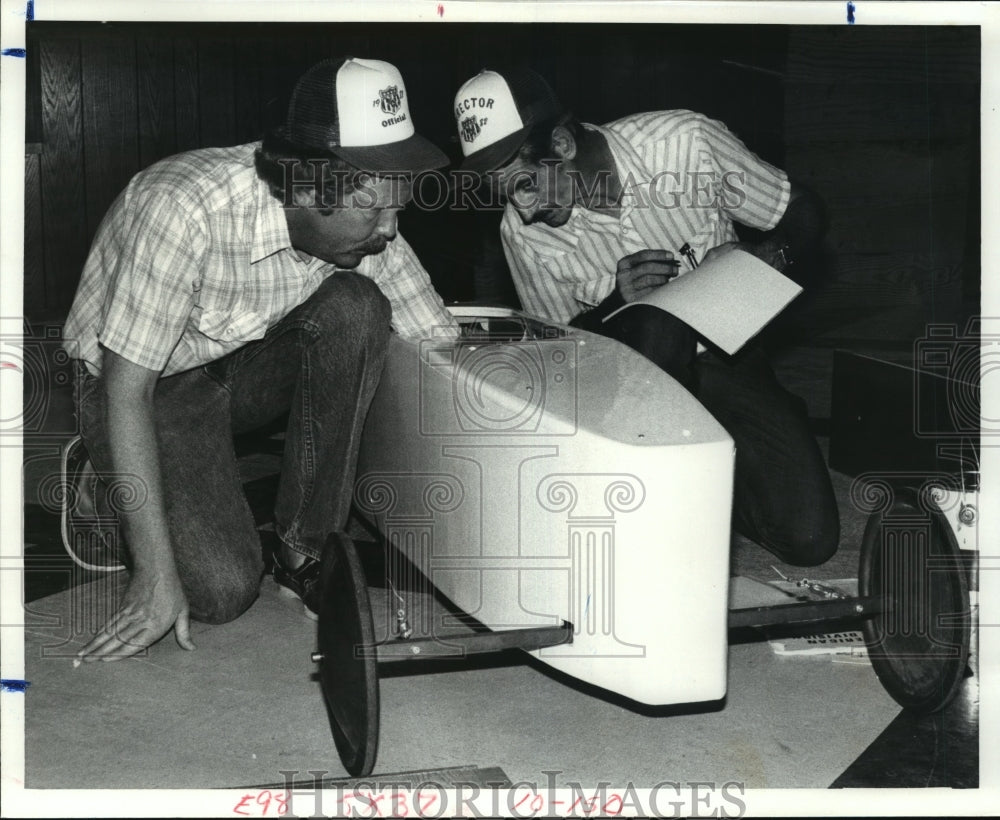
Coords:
686,179
193,260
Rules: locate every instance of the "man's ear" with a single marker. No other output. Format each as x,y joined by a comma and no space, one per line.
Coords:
303,196
563,143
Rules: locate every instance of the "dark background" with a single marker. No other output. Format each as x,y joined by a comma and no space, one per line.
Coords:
883,122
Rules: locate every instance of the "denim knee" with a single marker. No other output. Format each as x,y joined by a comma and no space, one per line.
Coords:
221,598
805,540
348,304
659,336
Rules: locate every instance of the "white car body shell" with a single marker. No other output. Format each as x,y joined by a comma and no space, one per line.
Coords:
537,474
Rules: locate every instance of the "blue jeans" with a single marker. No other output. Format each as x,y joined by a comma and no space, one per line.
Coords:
320,365
782,495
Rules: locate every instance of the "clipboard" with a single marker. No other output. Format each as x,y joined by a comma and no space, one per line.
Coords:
727,299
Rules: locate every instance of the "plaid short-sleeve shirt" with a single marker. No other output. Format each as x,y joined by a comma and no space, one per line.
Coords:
686,180
193,260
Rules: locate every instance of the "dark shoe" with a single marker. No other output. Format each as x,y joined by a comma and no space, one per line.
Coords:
302,582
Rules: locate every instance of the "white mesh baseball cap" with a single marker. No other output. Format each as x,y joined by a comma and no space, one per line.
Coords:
358,110
494,114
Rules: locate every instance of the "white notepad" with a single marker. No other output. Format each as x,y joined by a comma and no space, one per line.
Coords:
728,299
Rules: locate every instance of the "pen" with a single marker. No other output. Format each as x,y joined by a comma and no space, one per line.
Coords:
688,253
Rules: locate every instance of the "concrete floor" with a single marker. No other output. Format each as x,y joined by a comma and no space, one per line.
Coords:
218,703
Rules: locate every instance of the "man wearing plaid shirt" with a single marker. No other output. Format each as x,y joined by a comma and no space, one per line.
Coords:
225,288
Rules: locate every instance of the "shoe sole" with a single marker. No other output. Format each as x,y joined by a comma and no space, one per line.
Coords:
68,456
290,593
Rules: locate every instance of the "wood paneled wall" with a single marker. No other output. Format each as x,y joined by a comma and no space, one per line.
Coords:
885,125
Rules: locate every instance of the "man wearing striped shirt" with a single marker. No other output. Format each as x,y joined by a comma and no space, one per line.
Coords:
597,216
227,287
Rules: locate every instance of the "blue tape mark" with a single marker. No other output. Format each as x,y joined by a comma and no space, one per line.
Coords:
14,685
29,12
850,12
13,52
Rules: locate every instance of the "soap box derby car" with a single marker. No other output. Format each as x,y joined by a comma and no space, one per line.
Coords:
571,499
556,492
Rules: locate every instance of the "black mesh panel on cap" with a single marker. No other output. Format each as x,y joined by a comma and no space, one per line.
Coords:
312,113
535,99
